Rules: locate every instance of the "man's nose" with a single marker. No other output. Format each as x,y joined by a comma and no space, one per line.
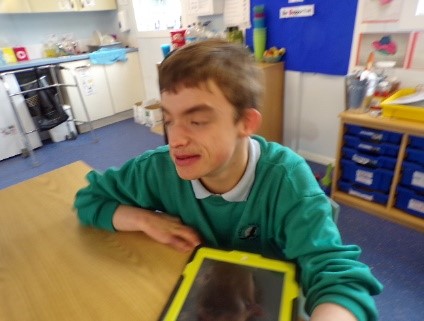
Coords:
177,135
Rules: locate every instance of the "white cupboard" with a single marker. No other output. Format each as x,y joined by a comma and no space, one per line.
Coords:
125,83
14,6
106,89
71,5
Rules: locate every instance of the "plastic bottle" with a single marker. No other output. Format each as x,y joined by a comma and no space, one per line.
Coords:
191,34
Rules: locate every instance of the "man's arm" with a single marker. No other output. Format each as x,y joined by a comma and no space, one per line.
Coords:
161,227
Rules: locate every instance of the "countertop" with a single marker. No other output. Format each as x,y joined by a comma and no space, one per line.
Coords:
48,61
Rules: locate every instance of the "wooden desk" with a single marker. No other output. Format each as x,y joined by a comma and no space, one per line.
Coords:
51,268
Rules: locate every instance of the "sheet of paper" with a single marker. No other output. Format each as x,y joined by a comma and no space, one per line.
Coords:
237,13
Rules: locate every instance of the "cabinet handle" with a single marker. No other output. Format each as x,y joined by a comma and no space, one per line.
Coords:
71,3
82,3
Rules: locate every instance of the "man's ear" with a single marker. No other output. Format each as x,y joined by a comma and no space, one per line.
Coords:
252,120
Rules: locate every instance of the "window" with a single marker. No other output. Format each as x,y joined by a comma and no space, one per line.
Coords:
154,15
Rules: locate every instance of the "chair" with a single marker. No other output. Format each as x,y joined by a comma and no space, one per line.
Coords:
301,300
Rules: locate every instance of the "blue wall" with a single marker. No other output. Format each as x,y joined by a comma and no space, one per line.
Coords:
320,43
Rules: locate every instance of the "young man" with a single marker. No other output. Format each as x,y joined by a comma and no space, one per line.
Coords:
217,184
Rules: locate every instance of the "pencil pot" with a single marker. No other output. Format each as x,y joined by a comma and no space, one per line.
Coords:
259,42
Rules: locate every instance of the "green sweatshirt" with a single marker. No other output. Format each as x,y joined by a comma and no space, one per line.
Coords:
286,216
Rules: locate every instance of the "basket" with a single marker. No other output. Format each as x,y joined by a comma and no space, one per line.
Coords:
408,112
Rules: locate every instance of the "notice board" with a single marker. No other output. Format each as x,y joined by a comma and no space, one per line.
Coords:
318,44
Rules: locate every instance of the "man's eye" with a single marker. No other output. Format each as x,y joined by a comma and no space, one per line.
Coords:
198,123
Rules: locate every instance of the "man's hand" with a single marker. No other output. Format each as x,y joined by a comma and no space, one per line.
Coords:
330,312
165,229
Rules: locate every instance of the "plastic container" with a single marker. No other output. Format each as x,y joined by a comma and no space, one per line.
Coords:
363,193
417,142
377,179
374,134
65,130
408,112
370,147
415,155
369,160
413,176
410,201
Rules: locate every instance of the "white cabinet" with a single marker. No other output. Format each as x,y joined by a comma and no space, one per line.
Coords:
125,83
94,88
14,6
106,89
205,7
71,5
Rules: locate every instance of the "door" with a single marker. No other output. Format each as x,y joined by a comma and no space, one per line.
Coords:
94,88
125,83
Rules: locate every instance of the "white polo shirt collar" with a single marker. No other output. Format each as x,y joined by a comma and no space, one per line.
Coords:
241,191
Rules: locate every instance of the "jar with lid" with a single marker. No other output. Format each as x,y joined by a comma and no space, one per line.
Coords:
235,35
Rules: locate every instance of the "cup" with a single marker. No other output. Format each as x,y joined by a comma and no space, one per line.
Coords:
356,92
259,43
178,38
258,23
166,49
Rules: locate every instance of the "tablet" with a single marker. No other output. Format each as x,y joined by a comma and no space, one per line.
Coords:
223,285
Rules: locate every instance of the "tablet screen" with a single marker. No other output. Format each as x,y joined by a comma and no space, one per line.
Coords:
225,291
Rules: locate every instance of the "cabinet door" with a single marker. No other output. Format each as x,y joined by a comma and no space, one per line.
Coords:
14,6
95,5
205,7
52,5
71,5
272,107
94,89
125,83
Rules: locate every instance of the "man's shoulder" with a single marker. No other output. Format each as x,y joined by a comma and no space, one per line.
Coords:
276,153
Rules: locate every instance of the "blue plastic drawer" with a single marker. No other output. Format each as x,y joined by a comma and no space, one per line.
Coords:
369,160
410,201
371,148
415,155
413,176
363,193
417,142
378,179
374,134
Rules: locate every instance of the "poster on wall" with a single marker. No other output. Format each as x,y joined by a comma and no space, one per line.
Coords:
417,52
381,11
387,47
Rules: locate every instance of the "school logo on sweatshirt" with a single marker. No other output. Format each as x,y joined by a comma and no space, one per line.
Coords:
249,232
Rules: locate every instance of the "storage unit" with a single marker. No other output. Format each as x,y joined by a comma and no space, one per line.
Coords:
107,90
272,107
12,142
379,167
205,7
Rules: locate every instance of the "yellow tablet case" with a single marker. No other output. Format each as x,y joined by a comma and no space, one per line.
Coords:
233,285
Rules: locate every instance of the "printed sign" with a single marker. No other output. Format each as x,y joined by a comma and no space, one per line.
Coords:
298,11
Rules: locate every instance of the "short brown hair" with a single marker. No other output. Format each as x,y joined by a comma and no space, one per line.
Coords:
230,66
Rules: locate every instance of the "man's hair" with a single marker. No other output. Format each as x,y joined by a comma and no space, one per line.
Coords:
230,66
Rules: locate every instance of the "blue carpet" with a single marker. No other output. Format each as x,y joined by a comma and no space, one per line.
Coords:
394,253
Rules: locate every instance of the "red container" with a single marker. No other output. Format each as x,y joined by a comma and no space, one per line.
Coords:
20,53
178,38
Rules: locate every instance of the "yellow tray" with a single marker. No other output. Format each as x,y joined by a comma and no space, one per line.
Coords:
408,112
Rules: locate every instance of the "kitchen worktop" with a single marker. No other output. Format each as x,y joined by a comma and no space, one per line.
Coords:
48,61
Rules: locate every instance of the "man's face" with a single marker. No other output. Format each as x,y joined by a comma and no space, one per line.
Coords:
205,140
